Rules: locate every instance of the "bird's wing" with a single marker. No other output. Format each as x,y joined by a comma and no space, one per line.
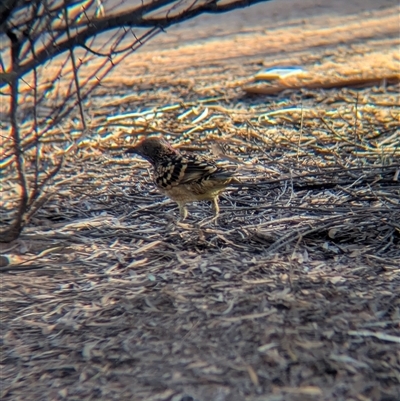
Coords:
186,169
197,168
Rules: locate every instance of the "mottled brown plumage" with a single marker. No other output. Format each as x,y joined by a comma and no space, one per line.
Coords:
184,178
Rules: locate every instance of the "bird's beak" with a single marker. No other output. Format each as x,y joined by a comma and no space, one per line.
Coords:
133,149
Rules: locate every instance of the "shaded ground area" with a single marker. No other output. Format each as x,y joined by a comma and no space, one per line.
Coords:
293,295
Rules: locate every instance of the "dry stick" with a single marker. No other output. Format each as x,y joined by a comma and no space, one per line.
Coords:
286,239
36,135
75,71
355,132
3,67
15,228
301,131
35,190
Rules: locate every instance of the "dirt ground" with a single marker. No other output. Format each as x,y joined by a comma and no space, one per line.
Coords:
294,294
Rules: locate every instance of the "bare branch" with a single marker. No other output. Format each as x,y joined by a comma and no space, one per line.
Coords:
74,69
38,32
15,228
131,18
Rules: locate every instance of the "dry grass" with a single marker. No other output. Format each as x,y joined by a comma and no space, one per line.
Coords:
293,295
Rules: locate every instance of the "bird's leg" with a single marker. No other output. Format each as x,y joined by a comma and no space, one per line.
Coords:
182,211
215,206
215,209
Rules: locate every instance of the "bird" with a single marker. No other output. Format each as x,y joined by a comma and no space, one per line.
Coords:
184,178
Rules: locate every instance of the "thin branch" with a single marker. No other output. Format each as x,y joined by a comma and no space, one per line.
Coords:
63,112
74,70
147,36
15,228
132,18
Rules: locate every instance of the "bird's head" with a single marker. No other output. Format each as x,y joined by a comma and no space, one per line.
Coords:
153,149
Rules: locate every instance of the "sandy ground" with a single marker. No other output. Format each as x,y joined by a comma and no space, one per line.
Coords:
292,296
